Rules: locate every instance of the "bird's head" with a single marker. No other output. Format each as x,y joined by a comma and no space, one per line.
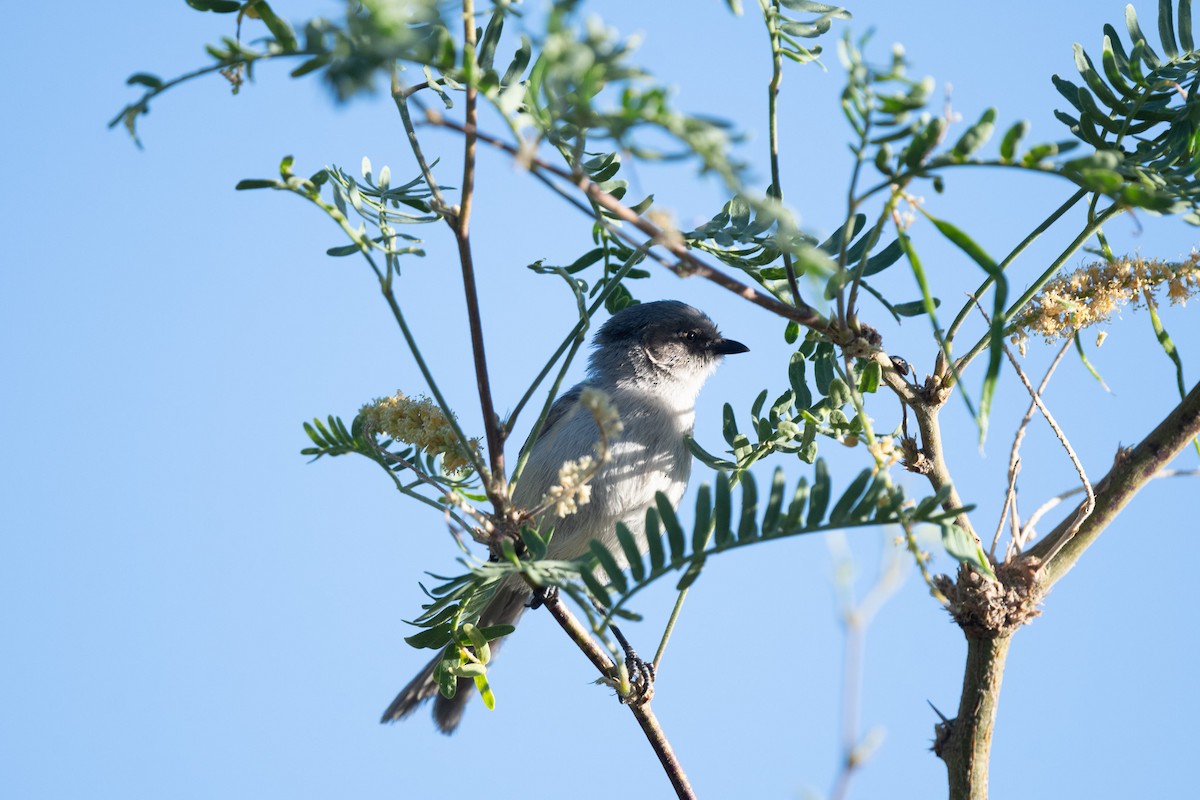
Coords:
660,343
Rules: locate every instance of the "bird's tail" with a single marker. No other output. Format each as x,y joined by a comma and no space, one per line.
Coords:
504,609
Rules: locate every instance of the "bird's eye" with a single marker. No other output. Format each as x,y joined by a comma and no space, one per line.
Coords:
690,336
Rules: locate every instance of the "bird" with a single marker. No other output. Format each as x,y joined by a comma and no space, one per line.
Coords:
651,360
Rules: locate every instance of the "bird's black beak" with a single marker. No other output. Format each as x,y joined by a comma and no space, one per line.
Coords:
728,347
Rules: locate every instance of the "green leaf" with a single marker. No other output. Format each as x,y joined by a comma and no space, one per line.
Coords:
841,510
708,458
729,427
804,397
1012,138
474,637
1168,346
675,538
1139,39
806,30
1166,28
748,525
535,543
976,136
883,259
312,65
914,308
493,632
757,406
722,528
609,562
486,52
818,497
447,681
870,503
598,589
144,79
691,574
632,553
868,381
1185,26
924,142
216,6
1087,362
823,370
816,8
257,183
771,518
278,27
796,507
468,670
654,539
485,692
520,61
962,546
431,638
999,301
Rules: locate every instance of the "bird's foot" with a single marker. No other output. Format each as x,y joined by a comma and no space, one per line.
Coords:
542,596
641,673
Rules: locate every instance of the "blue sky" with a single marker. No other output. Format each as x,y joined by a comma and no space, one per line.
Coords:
190,610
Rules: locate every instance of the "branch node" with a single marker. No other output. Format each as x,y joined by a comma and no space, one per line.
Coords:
987,609
914,459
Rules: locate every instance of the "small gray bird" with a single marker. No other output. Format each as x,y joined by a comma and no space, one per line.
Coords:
651,359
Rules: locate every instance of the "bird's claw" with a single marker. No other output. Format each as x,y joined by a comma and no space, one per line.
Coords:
641,680
542,596
641,673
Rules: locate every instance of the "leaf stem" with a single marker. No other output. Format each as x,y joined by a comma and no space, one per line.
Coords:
1041,281
770,9
1020,248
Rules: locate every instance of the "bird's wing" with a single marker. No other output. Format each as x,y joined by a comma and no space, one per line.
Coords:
560,408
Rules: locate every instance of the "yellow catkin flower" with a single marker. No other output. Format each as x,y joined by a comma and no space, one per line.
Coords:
1092,294
601,407
418,422
572,489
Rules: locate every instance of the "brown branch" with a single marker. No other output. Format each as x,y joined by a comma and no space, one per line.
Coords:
938,473
1133,468
689,264
641,711
965,743
461,223
990,612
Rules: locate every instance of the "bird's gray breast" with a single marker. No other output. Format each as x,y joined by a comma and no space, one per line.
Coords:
649,456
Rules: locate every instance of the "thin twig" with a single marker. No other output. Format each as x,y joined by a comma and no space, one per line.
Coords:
426,373
1028,531
689,264
1132,468
1090,504
1012,256
462,232
770,10
401,94
1011,312
1014,463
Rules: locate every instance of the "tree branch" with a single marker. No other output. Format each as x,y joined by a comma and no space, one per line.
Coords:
1133,468
965,743
641,711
